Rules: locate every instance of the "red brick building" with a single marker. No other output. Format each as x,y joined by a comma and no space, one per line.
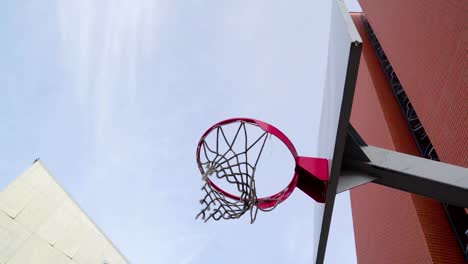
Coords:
412,96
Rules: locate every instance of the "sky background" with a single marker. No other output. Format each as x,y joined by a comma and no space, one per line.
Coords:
109,94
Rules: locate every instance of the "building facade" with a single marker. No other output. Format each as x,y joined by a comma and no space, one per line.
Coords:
412,96
40,223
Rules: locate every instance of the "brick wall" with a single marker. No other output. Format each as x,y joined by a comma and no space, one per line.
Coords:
426,41
392,226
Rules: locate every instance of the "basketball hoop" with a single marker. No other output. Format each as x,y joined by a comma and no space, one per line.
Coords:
238,167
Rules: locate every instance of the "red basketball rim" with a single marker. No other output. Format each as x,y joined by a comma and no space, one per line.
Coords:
265,202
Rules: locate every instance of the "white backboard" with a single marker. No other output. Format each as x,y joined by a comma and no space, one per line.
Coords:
343,63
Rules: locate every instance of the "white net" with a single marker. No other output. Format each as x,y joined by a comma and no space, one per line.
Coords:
229,158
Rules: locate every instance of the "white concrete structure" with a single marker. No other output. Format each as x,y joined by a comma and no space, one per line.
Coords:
40,223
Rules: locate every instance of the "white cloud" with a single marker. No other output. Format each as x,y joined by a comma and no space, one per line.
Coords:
101,45
101,42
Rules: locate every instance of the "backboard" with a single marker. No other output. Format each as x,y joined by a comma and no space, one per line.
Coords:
285,74
342,68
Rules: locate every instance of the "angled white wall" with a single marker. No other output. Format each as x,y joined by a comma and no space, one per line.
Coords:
40,223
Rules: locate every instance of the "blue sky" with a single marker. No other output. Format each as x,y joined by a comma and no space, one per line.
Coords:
104,92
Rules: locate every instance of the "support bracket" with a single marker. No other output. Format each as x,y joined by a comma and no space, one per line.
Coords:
441,181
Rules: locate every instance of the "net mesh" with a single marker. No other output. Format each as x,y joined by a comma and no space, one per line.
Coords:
233,163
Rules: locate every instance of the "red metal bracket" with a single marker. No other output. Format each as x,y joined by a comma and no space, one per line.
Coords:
313,176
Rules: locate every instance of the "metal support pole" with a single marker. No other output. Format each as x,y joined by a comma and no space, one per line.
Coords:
433,179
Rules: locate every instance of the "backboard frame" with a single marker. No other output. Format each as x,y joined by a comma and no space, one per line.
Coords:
343,123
